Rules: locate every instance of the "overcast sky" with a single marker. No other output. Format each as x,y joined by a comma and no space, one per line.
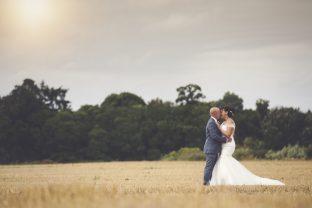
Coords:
256,49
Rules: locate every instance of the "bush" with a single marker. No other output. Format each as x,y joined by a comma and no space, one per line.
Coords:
252,148
185,153
309,151
243,153
288,152
255,146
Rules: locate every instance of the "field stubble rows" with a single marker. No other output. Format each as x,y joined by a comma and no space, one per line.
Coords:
149,184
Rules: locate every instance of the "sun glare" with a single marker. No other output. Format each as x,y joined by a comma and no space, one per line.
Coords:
33,12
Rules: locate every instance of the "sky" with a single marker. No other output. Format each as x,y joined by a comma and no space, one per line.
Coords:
256,49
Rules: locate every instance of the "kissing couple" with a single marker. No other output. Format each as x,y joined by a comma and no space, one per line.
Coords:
221,167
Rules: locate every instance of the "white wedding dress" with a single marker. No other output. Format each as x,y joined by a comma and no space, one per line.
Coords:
228,171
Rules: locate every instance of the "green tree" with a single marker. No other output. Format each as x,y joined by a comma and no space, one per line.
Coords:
66,137
248,124
36,123
54,98
282,126
98,148
189,94
262,107
306,134
124,99
22,114
232,100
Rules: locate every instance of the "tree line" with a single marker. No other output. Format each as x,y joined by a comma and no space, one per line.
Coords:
38,124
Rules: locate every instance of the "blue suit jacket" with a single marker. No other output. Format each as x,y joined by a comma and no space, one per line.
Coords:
214,138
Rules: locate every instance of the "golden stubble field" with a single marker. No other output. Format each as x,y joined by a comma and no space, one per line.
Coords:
149,184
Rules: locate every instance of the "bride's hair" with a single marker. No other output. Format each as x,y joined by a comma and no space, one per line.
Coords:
229,111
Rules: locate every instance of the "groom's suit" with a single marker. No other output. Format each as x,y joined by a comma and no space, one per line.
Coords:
212,147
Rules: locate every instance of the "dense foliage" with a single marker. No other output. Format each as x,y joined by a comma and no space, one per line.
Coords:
185,153
37,123
288,152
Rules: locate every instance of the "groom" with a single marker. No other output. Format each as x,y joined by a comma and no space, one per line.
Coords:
214,140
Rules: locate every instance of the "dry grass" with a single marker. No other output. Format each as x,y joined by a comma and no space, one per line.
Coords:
149,184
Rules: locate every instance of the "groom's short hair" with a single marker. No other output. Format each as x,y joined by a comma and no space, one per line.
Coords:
213,110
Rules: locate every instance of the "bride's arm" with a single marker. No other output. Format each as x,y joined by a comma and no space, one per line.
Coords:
229,131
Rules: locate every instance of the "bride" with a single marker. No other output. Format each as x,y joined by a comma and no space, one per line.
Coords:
228,171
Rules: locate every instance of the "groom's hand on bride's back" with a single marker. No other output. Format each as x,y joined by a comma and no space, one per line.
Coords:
228,139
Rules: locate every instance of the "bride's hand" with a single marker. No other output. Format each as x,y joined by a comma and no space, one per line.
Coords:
228,139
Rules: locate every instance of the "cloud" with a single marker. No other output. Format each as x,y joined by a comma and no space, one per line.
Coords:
152,47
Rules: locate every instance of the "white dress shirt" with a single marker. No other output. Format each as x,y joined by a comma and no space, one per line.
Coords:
215,119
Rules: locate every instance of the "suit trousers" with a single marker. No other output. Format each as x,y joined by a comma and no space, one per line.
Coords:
211,159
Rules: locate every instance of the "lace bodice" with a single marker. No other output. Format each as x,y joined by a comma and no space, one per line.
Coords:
228,148
224,127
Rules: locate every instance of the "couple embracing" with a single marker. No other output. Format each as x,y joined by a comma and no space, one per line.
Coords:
221,168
